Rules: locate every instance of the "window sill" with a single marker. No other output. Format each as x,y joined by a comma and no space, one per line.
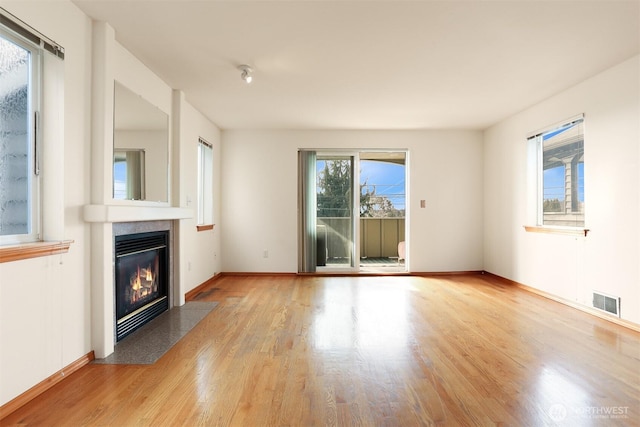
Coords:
567,231
205,227
33,250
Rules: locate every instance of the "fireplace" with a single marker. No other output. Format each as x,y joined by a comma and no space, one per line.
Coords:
141,279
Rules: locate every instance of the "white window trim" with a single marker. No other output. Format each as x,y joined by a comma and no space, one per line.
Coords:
49,239
205,216
34,233
534,139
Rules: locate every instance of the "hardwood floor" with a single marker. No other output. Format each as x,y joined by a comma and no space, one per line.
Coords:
384,351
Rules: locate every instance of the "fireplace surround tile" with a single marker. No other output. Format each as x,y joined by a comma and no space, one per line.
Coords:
146,345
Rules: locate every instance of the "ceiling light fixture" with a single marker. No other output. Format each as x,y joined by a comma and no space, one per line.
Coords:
246,73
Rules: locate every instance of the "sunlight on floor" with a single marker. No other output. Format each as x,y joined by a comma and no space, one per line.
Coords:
372,320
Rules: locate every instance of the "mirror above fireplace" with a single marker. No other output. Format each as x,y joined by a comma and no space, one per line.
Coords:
140,148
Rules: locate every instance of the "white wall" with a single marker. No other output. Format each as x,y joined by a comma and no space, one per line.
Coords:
608,259
200,254
259,204
44,302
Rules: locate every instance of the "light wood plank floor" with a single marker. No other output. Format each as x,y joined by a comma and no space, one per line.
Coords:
370,351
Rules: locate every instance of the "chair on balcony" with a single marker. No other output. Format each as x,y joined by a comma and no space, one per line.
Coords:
401,252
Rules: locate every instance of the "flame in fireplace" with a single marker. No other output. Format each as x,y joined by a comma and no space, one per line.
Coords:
142,283
135,281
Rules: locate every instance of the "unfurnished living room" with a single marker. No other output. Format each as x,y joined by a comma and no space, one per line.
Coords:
296,213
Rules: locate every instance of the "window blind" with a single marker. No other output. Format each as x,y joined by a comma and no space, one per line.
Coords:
24,30
207,143
563,124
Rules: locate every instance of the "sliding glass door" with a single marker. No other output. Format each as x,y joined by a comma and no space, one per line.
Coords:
350,220
335,207
382,223
327,206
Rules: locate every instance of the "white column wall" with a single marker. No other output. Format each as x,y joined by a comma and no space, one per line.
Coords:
200,253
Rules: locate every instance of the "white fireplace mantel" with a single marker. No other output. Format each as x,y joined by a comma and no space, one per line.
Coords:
121,213
105,222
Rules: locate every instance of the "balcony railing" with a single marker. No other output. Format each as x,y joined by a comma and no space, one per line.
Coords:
379,237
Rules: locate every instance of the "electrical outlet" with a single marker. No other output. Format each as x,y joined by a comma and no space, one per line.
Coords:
265,254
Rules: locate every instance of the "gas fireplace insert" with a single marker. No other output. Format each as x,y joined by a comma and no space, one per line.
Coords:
142,277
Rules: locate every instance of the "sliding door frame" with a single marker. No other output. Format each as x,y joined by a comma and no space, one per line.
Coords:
354,216
307,207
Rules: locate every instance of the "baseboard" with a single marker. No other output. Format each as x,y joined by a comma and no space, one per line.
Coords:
446,273
352,274
41,387
395,273
193,293
620,322
258,273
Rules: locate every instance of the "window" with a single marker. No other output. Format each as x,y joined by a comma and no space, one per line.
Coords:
19,164
560,169
128,174
31,139
205,185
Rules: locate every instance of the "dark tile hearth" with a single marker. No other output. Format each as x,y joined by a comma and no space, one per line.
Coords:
146,345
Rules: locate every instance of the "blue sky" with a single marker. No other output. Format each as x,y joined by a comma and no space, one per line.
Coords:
554,183
120,180
389,179
553,179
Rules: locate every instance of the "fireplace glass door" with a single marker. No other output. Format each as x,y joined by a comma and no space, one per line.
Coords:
141,275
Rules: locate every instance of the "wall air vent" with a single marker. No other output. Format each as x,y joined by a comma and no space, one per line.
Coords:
607,303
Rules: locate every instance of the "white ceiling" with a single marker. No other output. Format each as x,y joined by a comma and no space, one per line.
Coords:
371,64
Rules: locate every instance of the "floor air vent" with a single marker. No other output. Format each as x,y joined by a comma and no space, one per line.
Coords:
607,303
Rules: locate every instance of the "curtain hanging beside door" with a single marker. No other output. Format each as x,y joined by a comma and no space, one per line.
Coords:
307,204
